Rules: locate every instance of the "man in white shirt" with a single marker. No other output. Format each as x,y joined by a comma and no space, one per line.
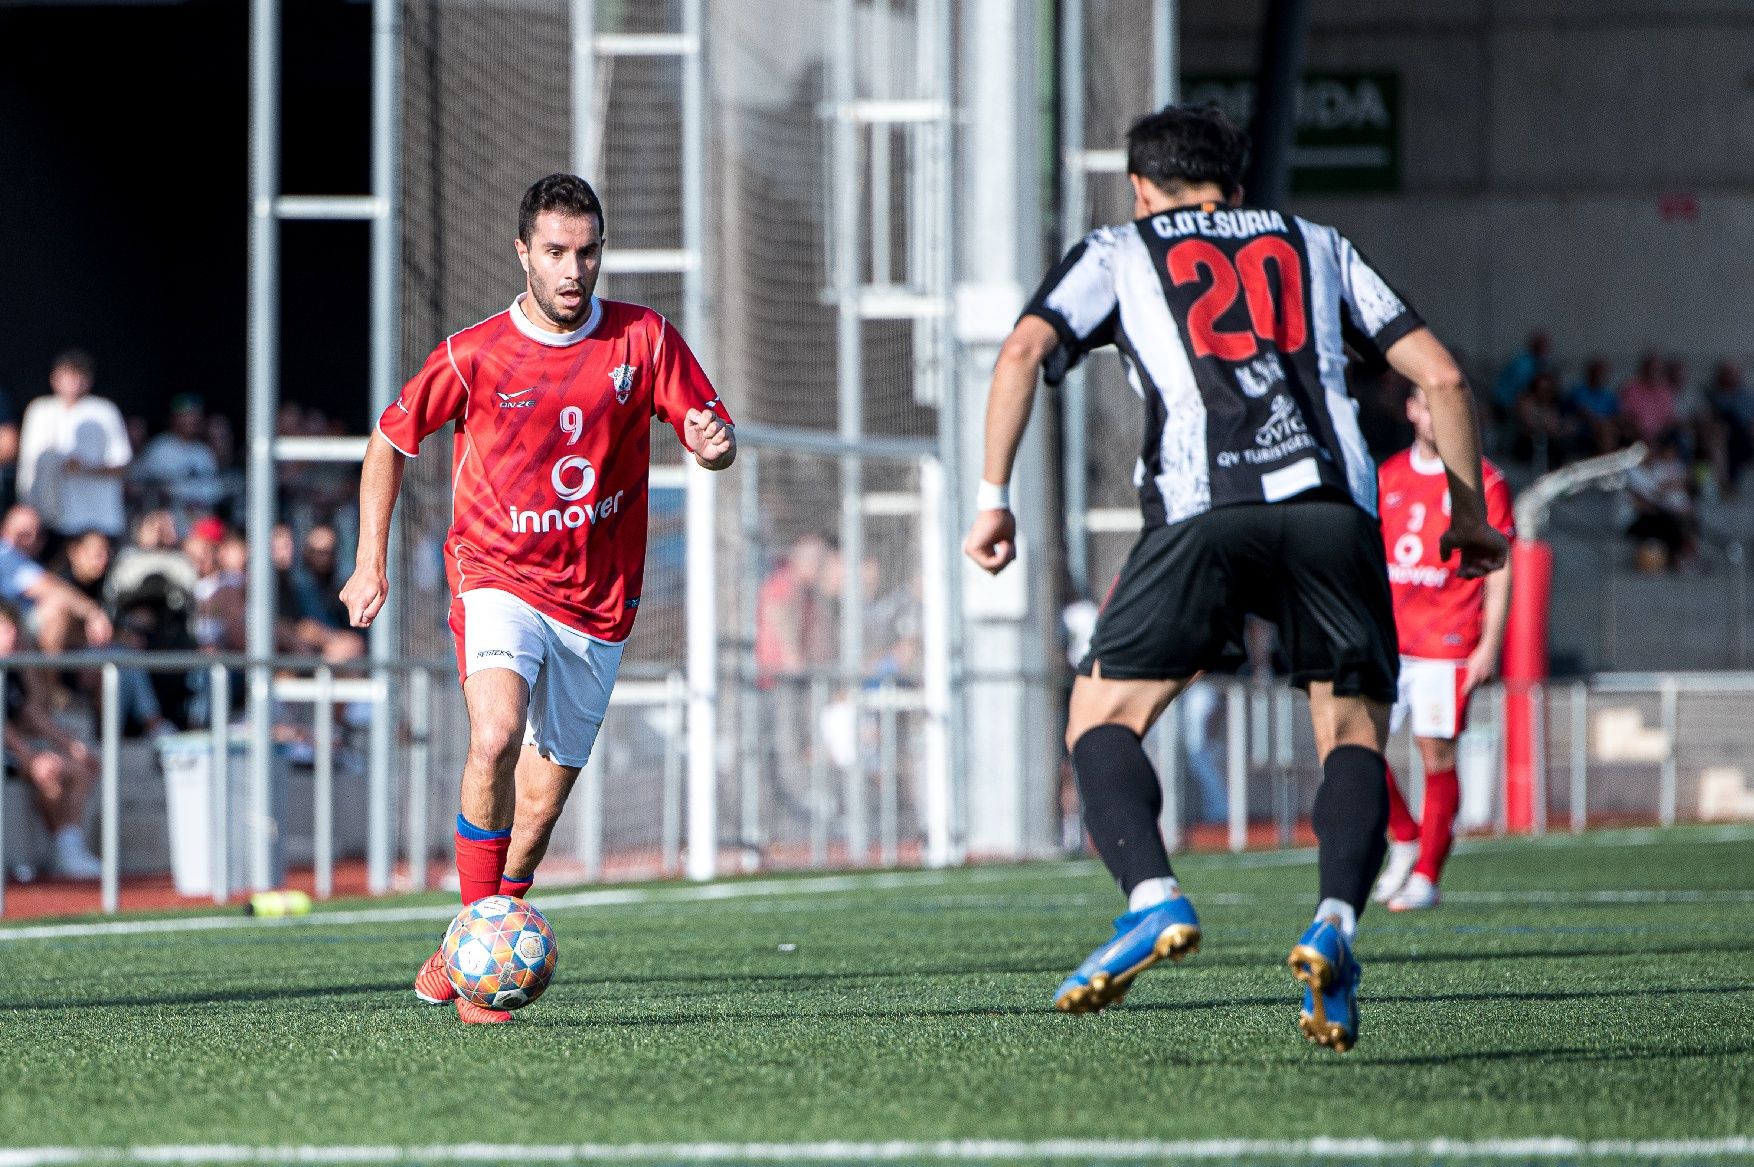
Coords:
73,450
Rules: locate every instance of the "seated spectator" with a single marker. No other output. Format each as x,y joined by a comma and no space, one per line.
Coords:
73,452
1514,378
1648,402
1597,408
1729,407
220,610
1660,490
155,551
1544,428
65,613
61,769
311,618
177,469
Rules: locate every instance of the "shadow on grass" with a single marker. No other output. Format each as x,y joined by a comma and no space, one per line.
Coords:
222,997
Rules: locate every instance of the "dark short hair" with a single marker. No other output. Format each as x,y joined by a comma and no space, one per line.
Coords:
566,193
1186,145
76,359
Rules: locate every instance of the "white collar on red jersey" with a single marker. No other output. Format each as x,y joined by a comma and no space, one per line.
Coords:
556,339
1423,465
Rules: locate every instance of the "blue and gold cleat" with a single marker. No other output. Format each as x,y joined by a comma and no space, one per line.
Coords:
1323,961
1169,930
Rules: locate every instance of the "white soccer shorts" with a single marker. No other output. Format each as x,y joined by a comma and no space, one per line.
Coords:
570,675
1431,693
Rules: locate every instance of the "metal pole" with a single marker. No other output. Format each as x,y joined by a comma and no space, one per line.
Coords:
385,343
848,279
702,485
323,816
219,793
670,813
591,814
1236,726
1538,707
1580,756
1074,221
1671,694
263,400
935,624
1274,130
582,19
419,749
1169,776
818,777
262,824
1165,53
888,781
1283,759
111,744
752,741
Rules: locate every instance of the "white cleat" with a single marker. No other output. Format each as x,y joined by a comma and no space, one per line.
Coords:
1394,875
1418,893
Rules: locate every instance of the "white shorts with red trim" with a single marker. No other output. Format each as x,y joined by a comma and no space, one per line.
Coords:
570,675
1431,693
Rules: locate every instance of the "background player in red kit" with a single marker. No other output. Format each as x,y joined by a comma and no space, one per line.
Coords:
552,400
1450,630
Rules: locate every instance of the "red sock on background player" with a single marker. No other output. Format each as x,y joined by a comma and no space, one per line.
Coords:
1402,826
481,857
1437,831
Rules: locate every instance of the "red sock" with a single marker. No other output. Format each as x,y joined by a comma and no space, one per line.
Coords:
516,887
480,859
1402,828
1443,797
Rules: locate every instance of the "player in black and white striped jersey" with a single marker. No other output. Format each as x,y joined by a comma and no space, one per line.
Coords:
1259,497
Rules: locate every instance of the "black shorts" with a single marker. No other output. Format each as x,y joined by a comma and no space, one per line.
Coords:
1312,566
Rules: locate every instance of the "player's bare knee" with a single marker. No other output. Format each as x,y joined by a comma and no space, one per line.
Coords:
495,740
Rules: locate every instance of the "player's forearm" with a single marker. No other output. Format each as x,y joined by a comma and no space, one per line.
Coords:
1422,359
380,481
1008,407
1497,611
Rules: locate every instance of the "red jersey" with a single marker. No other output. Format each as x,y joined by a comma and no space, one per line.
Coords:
1438,613
552,454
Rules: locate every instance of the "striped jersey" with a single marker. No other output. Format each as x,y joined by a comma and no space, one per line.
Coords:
552,453
1233,323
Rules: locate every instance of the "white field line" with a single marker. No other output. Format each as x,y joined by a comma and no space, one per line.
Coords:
903,1151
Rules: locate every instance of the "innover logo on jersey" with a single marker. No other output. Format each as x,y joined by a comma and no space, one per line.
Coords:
519,400
621,376
573,477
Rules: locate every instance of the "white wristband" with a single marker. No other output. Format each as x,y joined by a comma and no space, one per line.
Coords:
990,496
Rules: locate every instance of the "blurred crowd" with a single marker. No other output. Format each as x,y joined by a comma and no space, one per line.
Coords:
1698,433
115,538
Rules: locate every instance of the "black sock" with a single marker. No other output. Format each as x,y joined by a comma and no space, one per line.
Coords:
1122,799
1351,815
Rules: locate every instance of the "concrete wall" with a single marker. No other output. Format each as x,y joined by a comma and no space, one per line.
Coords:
1584,165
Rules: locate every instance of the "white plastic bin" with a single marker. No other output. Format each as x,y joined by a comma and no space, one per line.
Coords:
187,762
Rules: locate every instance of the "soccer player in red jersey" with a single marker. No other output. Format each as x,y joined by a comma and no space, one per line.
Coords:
553,400
1450,630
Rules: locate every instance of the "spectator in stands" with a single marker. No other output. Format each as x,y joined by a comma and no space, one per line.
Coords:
791,624
1660,489
177,469
223,443
1729,414
1545,429
23,528
8,450
1648,402
85,567
52,605
311,618
1595,405
219,591
72,454
1514,378
60,768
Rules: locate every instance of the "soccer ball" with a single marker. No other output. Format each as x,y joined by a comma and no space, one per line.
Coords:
500,952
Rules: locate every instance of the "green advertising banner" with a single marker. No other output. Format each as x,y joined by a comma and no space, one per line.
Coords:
1348,127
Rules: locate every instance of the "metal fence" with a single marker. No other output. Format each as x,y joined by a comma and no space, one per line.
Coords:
824,773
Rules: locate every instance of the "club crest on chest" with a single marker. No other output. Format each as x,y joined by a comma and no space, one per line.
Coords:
621,377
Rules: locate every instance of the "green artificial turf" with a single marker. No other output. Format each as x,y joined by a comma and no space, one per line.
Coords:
922,1011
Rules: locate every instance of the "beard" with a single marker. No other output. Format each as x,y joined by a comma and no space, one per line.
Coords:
548,300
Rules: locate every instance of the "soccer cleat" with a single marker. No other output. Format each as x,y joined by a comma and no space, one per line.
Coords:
470,1013
1322,960
1417,894
432,983
1167,930
1394,875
